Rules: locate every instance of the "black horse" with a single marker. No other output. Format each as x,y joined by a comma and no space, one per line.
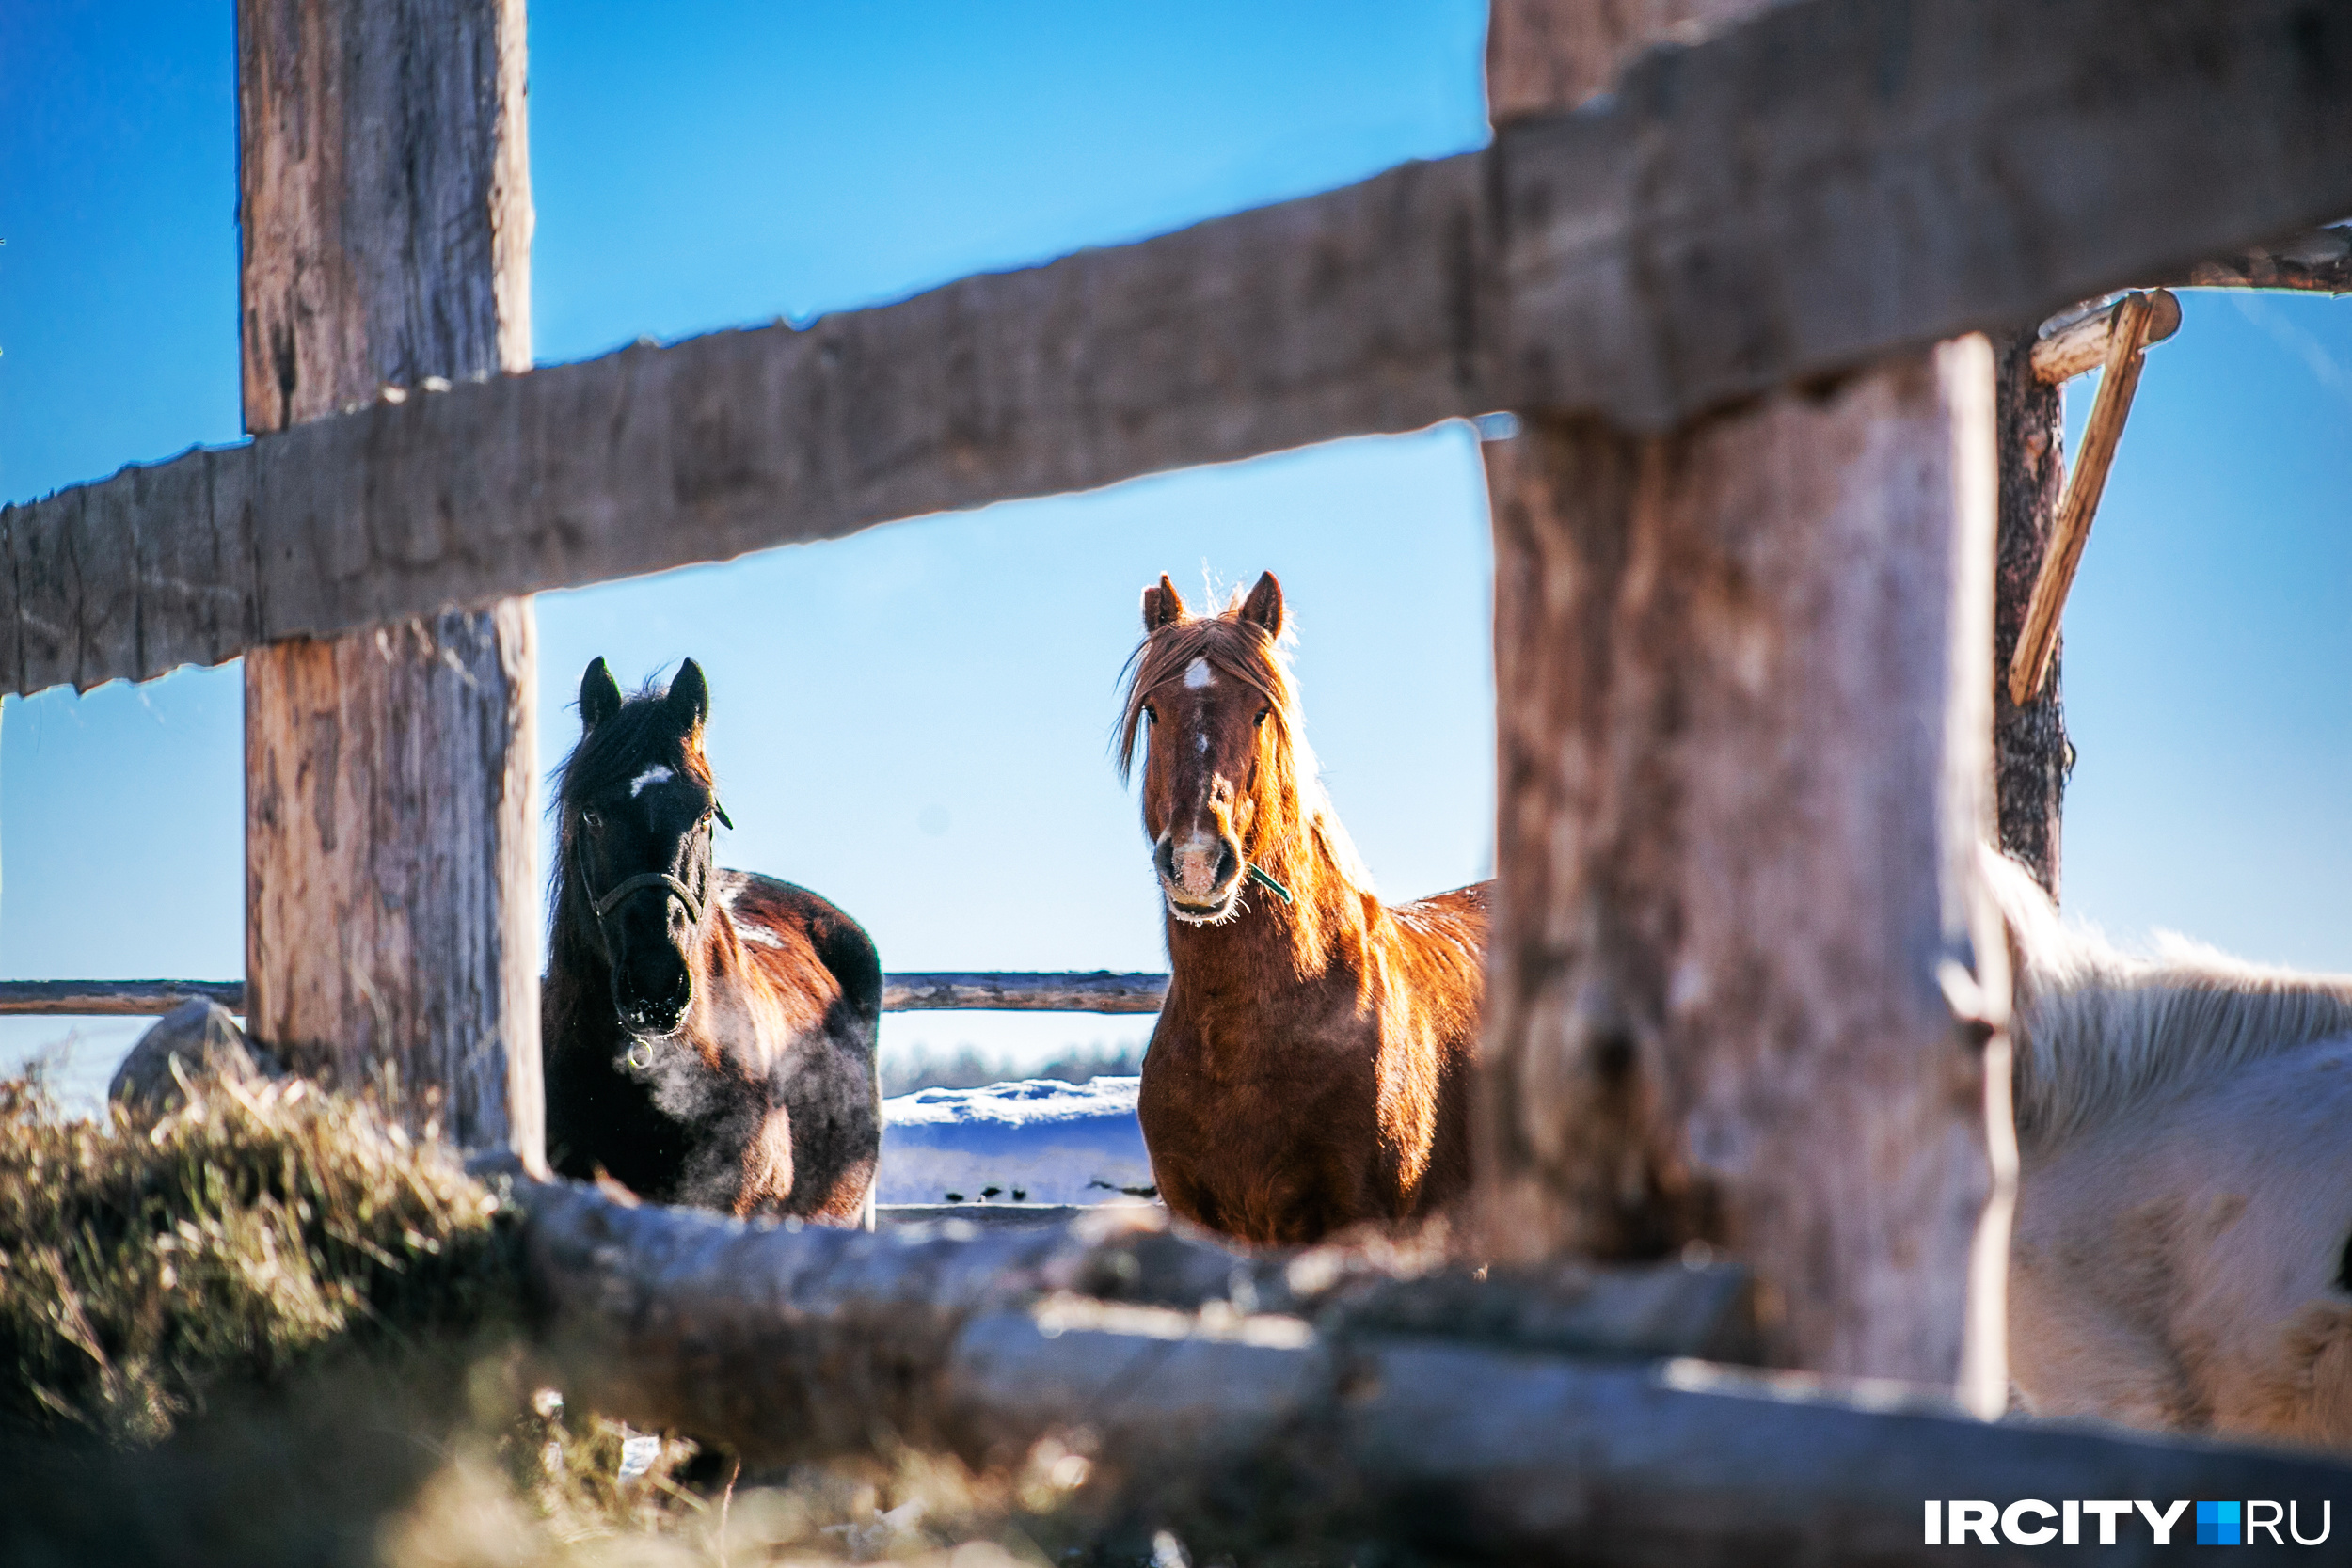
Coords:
708,1033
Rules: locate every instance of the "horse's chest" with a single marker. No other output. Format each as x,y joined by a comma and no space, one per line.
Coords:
1274,1155
643,1108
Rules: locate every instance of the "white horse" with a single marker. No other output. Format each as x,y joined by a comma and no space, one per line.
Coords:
2183,1250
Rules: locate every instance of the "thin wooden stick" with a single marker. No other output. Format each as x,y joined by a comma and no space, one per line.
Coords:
2128,340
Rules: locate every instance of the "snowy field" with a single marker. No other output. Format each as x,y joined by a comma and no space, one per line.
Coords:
1038,1141
77,1056
80,1055
1032,1141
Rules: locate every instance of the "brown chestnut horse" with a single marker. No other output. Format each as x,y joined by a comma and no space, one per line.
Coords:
708,1034
1311,1067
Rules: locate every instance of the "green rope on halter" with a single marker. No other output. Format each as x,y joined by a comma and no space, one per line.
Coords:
1265,881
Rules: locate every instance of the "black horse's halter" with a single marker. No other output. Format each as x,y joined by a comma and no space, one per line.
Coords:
600,906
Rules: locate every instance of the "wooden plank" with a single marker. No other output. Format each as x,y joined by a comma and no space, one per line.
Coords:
1060,992
1723,886
2102,432
1343,313
1074,993
1543,56
1204,1378
114,998
391,901
1718,226
2077,344
1727,219
2318,260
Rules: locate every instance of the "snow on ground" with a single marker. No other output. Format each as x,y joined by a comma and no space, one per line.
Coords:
1036,1141
78,1056
1046,1140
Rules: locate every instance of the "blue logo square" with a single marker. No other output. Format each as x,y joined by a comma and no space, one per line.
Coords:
2218,1525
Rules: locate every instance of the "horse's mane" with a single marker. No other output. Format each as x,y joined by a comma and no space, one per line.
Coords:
1291,807
2099,1030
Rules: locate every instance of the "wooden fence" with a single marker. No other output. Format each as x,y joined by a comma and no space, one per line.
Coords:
1761,282
915,991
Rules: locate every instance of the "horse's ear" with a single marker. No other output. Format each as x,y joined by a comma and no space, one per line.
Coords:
690,695
1161,607
599,695
1264,607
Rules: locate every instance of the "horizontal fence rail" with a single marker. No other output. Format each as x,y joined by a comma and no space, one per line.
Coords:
1099,991
116,997
1521,1417
1699,235
1052,991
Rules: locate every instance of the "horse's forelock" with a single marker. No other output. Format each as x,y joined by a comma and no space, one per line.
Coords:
1230,644
618,750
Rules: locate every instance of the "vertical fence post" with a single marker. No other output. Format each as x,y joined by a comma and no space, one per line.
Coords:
2029,745
1739,956
390,899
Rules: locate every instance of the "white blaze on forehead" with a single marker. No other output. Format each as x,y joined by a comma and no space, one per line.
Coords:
651,776
1198,674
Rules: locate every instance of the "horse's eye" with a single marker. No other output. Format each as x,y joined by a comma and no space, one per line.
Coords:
591,820
1151,714
1261,712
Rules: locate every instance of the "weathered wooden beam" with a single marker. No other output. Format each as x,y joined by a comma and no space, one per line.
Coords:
391,900
114,998
1447,1429
1339,314
1546,54
1721,225
1069,992
1823,184
2317,260
1734,921
643,1295
1051,991
2077,344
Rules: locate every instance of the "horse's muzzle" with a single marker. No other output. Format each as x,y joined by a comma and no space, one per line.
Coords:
653,993
1202,880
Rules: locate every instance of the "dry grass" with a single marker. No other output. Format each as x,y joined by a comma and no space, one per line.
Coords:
275,1328
237,1241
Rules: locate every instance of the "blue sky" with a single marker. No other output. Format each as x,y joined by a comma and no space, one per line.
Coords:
914,720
